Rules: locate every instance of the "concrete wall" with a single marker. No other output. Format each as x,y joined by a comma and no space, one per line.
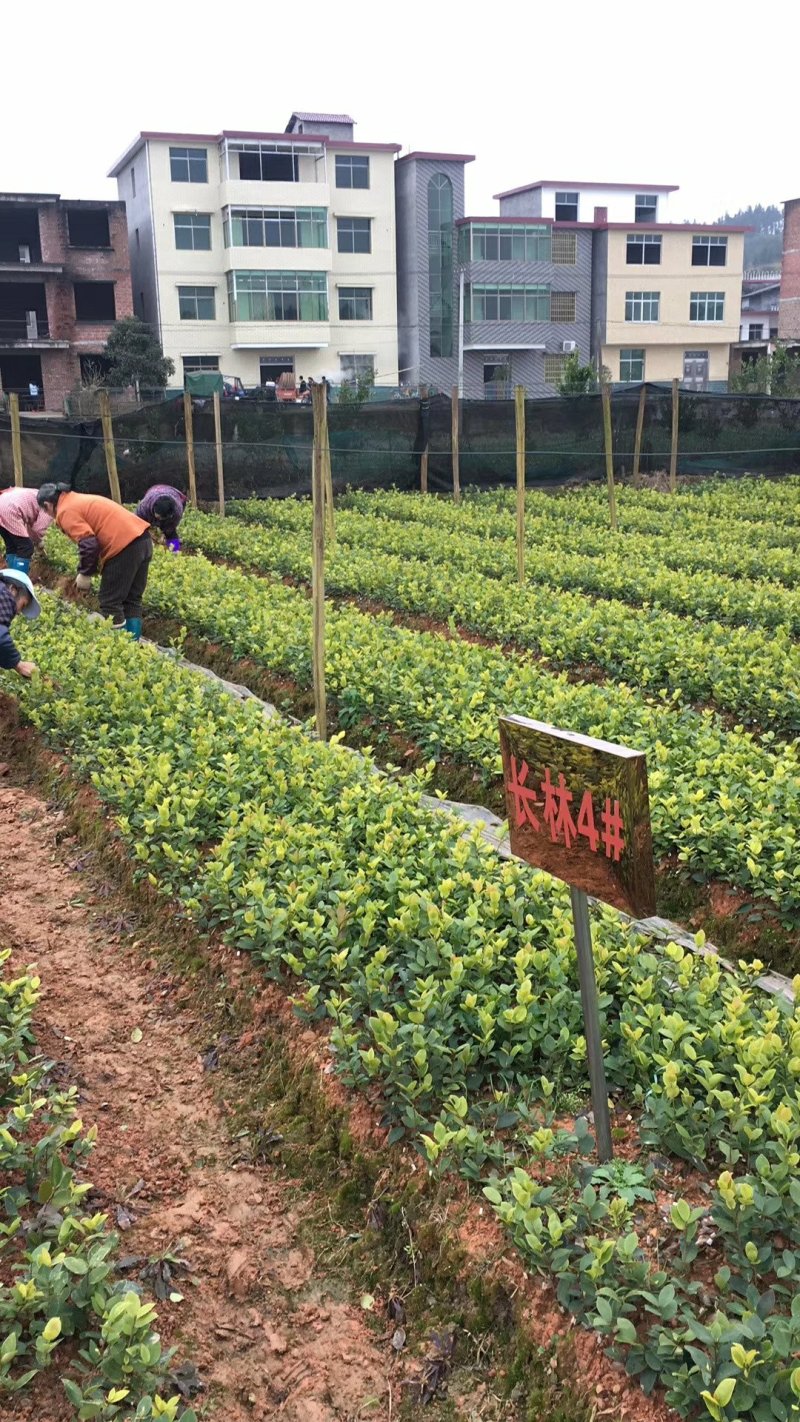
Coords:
789,317
620,202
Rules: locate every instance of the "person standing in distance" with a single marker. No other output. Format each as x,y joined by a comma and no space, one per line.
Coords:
162,507
110,537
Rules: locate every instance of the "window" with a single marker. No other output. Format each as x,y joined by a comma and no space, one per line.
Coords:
193,231
352,170
440,265
755,333
642,305
508,303
188,165
196,303
88,227
564,248
355,367
355,303
643,249
709,251
631,365
133,180
567,207
707,306
562,306
94,301
646,207
504,243
276,227
259,165
278,296
553,369
199,362
354,234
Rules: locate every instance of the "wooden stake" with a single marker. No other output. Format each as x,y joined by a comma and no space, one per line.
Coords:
519,411
612,495
108,445
673,454
637,448
318,560
16,438
423,463
218,445
455,446
189,428
330,525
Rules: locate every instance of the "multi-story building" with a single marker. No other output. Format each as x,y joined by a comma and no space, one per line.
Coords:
789,313
260,253
64,280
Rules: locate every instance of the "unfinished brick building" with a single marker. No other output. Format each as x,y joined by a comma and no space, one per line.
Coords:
64,279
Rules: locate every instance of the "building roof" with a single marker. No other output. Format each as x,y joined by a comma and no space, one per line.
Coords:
438,157
319,118
525,220
148,135
568,183
31,198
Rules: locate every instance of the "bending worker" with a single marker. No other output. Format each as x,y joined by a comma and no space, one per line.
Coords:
111,537
162,507
16,596
23,524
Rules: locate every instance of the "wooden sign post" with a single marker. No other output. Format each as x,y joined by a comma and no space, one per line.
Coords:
16,438
605,394
318,559
454,444
579,808
673,452
109,446
519,414
189,430
218,450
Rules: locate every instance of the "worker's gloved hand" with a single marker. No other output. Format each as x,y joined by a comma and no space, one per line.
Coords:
26,668
174,545
83,582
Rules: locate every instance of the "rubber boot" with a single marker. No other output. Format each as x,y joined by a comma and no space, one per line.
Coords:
134,626
20,565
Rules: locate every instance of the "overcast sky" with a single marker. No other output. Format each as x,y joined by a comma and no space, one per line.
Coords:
682,93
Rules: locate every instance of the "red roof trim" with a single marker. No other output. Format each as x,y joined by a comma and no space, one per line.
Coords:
566,183
634,227
438,157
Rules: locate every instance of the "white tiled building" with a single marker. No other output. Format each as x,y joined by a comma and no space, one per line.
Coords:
259,253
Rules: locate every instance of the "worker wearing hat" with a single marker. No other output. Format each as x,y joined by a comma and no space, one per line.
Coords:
16,597
109,537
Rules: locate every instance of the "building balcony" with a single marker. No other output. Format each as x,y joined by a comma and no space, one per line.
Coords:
280,335
261,192
281,259
28,332
19,259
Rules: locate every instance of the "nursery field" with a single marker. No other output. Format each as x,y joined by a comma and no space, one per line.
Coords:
444,976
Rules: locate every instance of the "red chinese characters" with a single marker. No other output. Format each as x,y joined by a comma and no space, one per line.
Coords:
550,812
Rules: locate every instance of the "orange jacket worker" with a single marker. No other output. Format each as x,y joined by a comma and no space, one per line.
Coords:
110,537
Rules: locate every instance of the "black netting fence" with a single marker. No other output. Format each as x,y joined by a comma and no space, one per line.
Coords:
267,446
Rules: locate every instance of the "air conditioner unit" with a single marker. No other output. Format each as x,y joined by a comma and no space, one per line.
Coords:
25,255
569,347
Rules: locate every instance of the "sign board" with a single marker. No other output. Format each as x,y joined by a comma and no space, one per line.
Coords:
579,808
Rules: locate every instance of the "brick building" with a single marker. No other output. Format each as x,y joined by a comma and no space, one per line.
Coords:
64,280
789,312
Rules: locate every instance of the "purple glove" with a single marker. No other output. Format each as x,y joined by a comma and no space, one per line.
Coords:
174,545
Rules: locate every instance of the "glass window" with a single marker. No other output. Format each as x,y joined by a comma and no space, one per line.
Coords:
707,306
567,207
755,333
508,243
642,305
261,165
278,296
354,234
563,306
276,227
192,231
631,365
564,248
188,165
440,264
646,207
196,303
510,303
709,251
352,170
643,249
200,362
553,369
355,366
355,303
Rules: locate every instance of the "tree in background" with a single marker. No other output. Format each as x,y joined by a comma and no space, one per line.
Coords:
577,379
763,247
357,391
135,356
778,375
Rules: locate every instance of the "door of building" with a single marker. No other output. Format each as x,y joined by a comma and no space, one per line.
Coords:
497,378
274,366
695,370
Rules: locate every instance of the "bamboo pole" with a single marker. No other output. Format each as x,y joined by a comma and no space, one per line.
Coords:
423,463
612,495
218,447
637,448
318,561
327,476
519,411
108,445
454,444
673,453
16,438
189,428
